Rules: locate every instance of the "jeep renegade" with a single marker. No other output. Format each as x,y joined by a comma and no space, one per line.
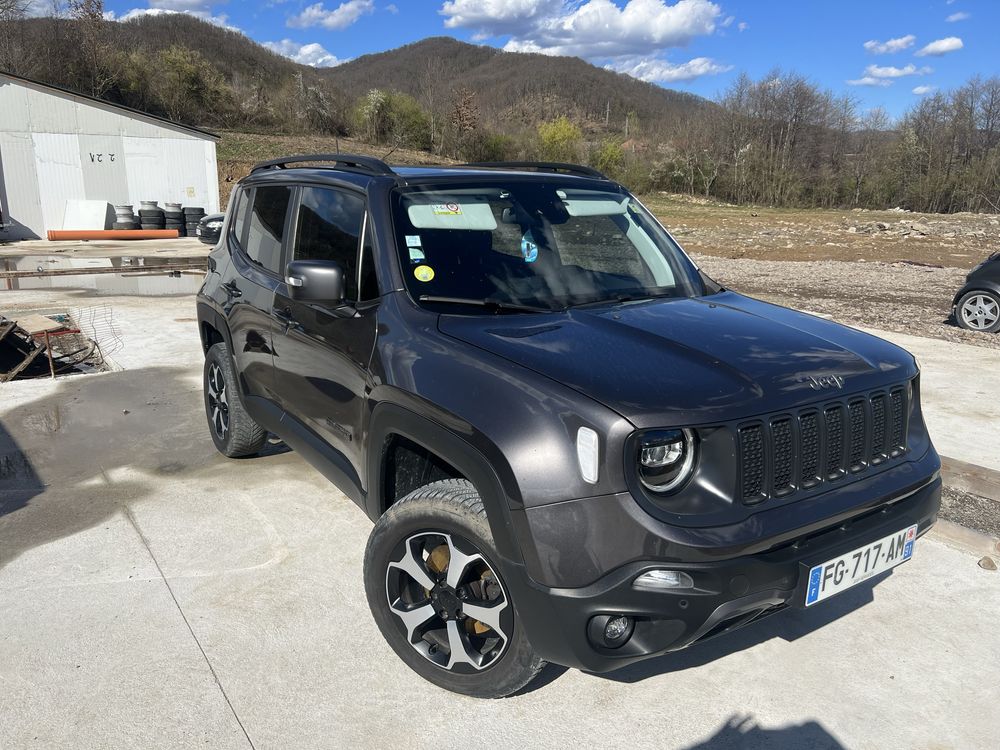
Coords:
575,446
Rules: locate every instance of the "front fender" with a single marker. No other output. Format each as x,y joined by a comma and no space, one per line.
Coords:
976,285
490,474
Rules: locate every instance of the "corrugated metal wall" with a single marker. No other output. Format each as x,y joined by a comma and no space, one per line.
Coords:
55,146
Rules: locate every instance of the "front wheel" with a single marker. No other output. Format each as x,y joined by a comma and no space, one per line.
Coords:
437,595
979,311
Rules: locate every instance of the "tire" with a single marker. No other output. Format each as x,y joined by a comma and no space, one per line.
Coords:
233,431
496,659
979,310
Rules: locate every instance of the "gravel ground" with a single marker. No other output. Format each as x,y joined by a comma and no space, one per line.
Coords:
972,511
901,297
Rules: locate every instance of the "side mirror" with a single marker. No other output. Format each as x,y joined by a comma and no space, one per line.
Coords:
315,281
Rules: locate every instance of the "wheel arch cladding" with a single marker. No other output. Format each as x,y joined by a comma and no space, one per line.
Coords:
391,423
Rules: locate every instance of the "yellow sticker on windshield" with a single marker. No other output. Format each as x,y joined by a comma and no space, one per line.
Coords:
423,273
447,209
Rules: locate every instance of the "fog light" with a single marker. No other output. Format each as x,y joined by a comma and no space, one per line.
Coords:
664,579
616,629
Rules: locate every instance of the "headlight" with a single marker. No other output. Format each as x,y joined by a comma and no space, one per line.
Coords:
213,225
666,459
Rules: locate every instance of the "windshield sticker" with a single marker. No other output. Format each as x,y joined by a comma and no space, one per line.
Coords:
413,240
423,273
529,248
416,254
447,209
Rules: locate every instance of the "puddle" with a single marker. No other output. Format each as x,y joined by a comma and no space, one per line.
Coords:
139,277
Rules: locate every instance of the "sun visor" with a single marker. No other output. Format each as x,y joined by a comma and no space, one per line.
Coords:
589,203
468,215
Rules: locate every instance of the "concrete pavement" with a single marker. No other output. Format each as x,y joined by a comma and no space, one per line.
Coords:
155,594
960,393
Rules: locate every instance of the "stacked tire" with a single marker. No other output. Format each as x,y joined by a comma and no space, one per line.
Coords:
125,218
193,215
174,218
151,216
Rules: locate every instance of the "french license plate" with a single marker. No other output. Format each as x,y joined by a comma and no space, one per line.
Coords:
848,570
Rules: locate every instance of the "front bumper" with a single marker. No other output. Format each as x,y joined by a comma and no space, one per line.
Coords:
728,593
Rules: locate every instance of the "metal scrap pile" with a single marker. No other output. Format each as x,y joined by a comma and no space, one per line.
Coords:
34,345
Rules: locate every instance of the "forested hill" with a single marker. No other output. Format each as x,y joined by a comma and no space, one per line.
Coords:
514,87
181,67
177,66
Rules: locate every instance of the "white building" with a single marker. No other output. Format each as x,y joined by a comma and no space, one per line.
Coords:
56,145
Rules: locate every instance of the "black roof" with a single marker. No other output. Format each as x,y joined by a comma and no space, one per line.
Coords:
106,103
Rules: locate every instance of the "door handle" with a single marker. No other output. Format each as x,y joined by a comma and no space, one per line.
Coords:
231,289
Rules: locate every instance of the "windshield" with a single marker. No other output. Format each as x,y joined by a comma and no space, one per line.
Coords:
532,245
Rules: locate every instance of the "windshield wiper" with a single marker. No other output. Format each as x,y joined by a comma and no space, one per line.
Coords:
495,304
628,296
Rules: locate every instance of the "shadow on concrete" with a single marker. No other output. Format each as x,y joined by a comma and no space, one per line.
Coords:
73,458
744,732
788,624
19,482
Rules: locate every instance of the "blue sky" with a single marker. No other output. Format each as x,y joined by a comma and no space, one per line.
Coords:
884,52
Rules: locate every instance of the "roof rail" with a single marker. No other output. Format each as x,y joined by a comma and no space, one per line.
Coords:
540,166
347,162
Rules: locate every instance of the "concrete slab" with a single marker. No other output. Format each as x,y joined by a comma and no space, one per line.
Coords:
132,549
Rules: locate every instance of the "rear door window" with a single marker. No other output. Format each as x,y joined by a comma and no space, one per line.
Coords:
267,226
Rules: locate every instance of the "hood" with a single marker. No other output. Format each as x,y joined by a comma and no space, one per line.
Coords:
691,361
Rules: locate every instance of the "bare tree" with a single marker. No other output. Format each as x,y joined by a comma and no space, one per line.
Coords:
99,72
12,48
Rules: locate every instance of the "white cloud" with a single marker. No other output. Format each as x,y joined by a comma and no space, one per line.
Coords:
889,71
498,17
870,81
663,71
314,54
742,26
921,90
391,7
344,15
587,28
960,16
941,46
890,45
728,22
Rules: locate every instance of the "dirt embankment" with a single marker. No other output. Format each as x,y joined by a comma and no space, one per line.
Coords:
891,270
950,240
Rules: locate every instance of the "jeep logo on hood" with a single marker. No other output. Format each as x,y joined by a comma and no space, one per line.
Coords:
822,382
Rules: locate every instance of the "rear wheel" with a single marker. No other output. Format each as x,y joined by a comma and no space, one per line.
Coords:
234,432
438,597
979,311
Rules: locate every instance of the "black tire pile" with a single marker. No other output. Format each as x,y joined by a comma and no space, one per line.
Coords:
174,217
151,216
193,215
125,218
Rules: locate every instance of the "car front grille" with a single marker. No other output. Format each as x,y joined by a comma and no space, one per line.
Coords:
786,453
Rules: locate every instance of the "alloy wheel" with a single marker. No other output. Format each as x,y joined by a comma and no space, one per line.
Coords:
980,311
218,401
449,602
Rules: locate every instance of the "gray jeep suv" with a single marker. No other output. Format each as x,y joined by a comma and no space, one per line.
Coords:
575,446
